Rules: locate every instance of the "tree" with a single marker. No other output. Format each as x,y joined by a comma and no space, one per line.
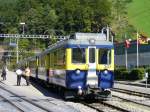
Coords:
119,21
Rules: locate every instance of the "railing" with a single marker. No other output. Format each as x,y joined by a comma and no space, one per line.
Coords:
23,36
30,36
25,51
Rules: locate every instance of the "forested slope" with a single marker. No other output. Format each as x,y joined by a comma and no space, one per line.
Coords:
139,15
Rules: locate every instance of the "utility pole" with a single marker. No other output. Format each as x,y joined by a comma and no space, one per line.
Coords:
126,56
17,54
17,40
137,48
23,24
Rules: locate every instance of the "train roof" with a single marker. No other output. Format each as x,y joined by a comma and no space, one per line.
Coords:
79,40
87,36
89,42
82,40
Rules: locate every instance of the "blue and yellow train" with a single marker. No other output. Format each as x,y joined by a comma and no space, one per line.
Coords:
79,66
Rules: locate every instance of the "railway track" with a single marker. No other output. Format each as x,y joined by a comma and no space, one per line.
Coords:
117,104
37,104
133,84
131,92
8,105
21,103
101,107
137,100
105,106
129,101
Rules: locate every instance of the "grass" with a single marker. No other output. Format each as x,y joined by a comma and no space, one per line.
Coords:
139,15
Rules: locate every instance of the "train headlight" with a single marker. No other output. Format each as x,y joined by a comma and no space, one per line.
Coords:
105,72
78,71
92,41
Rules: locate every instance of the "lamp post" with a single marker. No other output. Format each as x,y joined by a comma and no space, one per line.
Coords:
127,45
23,24
17,39
137,49
17,50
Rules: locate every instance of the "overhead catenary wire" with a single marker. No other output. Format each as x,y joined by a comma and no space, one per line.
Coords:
30,36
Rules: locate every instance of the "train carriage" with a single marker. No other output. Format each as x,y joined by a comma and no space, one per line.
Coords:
80,65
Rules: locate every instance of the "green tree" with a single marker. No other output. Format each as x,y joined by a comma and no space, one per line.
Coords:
119,20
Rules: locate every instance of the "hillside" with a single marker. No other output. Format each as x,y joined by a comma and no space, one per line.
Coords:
139,15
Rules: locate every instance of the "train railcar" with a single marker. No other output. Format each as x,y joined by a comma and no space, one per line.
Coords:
79,66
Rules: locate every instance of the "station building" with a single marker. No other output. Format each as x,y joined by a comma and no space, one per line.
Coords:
121,51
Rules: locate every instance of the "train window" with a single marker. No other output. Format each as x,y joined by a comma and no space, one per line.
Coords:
91,55
78,55
55,54
32,63
39,61
61,56
58,57
42,61
52,59
104,56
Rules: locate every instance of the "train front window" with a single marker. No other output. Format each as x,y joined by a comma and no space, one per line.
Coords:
91,55
104,56
78,55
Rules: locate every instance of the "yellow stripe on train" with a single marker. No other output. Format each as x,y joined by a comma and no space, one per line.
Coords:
72,66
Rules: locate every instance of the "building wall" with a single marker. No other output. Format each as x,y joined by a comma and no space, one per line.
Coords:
144,55
144,59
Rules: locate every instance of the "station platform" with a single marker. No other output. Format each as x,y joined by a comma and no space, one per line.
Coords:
11,83
48,99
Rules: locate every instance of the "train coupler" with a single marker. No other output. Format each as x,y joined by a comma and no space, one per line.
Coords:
106,94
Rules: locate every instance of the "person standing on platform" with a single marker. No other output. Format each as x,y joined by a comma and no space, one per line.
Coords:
19,74
4,72
27,75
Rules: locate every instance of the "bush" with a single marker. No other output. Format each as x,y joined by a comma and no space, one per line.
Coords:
136,74
125,75
117,74
120,74
148,70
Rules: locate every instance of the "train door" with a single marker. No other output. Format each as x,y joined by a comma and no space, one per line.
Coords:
92,78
